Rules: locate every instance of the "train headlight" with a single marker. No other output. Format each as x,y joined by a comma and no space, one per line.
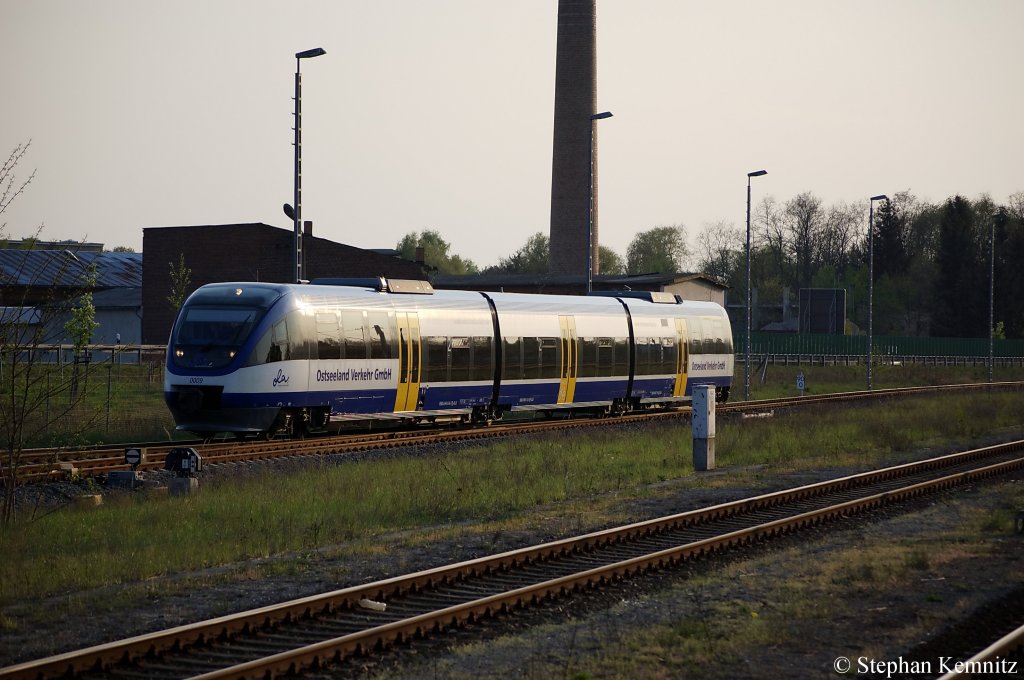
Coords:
231,353
179,353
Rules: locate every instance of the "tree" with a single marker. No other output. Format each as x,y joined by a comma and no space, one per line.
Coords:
81,326
840,230
1009,275
181,283
890,233
1015,206
961,306
532,258
720,249
804,216
10,188
611,262
82,323
36,399
435,253
658,250
122,249
770,224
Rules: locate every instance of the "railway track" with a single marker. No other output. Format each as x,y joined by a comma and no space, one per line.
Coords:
336,627
991,661
47,464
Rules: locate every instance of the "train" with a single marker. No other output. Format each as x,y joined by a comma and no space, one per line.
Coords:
262,359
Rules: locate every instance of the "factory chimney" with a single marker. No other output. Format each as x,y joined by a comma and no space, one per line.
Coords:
575,102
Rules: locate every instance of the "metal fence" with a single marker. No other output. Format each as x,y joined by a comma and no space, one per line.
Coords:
106,392
804,344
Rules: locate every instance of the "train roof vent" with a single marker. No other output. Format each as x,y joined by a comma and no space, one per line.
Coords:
649,295
410,286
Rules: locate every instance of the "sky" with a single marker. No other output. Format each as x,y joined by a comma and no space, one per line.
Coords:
438,114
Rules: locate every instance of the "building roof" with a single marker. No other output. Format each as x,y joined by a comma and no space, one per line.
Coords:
115,270
67,269
118,298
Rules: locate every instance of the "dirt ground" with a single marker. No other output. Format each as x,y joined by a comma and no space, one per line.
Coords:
875,591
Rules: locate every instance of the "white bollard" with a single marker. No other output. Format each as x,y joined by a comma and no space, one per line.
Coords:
703,425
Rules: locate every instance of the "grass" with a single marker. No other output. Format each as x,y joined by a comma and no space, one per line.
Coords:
116,403
133,538
780,380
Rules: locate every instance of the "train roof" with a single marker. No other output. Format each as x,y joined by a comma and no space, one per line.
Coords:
367,290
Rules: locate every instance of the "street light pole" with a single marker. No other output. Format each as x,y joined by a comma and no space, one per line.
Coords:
991,296
871,276
299,56
746,354
590,204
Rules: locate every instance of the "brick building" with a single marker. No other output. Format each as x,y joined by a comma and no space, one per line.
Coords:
245,252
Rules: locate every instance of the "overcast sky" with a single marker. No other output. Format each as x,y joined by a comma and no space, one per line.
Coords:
437,114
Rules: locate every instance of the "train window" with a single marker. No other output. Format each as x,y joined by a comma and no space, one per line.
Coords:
461,358
261,351
381,334
301,336
587,358
352,328
550,357
715,327
278,350
212,335
668,355
656,354
435,367
621,356
483,358
512,359
531,358
696,333
328,336
287,340
649,356
605,357
642,356
710,341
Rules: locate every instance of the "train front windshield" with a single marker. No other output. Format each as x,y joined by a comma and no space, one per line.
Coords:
215,323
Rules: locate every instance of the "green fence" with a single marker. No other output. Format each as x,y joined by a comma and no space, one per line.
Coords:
885,345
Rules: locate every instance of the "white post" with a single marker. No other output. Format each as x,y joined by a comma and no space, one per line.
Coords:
703,427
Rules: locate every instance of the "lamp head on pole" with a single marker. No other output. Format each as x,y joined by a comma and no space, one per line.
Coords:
880,197
601,116
757,173
307,54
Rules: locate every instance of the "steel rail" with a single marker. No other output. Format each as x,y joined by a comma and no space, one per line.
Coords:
1010,644
40,465
101,657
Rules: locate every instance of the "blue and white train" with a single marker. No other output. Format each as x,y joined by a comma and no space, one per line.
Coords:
263,358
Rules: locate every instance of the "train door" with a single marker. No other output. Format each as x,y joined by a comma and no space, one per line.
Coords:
409,355
570,356
682,358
